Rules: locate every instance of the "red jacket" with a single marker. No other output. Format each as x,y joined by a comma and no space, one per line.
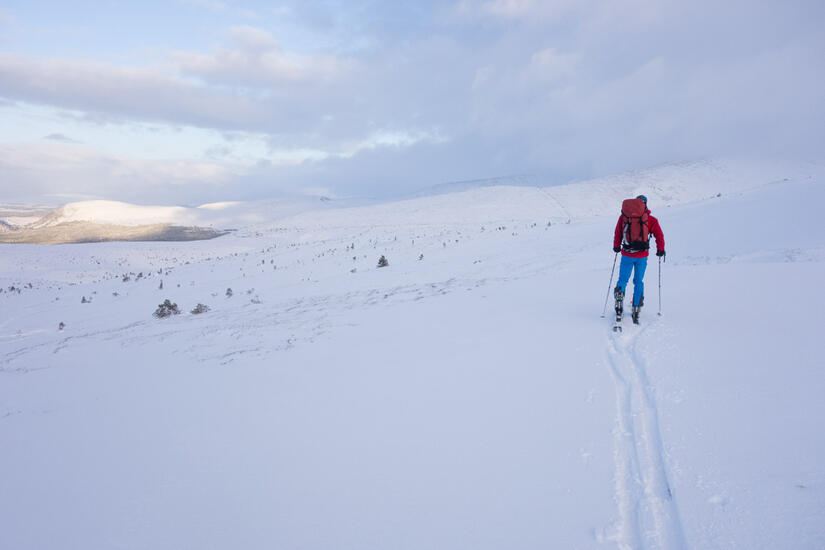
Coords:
655,230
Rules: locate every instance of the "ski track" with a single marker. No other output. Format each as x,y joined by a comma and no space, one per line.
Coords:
648,514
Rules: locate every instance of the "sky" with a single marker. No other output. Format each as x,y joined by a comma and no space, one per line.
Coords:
196,101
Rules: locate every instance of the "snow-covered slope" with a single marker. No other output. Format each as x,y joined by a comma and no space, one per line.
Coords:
489,200
668,184
115,213
502,200
17,215
466,396
219,215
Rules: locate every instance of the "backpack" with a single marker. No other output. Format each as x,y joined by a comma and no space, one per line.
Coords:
636,235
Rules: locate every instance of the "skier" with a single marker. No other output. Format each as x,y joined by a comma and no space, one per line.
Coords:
632,238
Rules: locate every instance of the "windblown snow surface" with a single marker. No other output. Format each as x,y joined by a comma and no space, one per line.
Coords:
469,395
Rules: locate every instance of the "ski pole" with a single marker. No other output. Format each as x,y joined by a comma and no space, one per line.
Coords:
660,285
611,284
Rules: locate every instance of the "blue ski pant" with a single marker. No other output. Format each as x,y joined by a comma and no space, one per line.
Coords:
637,266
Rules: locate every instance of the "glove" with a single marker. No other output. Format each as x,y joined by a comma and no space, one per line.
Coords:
617,249
660,252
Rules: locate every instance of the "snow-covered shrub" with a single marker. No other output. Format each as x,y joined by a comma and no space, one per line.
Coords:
228,292
200,308
382,262
166,309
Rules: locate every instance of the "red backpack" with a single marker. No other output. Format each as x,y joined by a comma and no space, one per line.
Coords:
636,230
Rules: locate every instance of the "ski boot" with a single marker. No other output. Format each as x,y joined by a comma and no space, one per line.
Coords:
637,310
619,297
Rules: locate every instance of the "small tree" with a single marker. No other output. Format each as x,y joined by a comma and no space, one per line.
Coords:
382,262
166,309
228,292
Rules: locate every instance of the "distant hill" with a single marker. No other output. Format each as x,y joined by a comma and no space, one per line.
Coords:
482,201
520,199
85,232
100,220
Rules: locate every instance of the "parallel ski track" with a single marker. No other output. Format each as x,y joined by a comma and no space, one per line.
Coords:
648,514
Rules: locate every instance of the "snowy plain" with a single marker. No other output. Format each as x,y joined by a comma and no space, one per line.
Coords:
469,395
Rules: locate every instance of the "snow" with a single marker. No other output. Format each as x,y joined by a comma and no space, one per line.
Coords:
472,398
219,215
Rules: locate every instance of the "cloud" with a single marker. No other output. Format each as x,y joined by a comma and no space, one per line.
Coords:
291,96
222,7
28,170
258,60
315,101
253,39
526,10
124,92
60,138
356,100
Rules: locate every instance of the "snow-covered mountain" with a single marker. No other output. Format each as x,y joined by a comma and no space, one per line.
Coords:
221,215
115,213
468,395
16,215
100,220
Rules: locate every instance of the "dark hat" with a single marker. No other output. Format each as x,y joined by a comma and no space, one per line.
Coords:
644,199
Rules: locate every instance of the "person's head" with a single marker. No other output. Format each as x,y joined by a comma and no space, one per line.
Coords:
644,199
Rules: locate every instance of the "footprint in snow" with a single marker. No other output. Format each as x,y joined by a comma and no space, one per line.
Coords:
719,500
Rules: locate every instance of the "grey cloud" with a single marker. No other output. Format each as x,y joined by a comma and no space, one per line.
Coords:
60,138
253,38
107,93
124,92
32,170
263,66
